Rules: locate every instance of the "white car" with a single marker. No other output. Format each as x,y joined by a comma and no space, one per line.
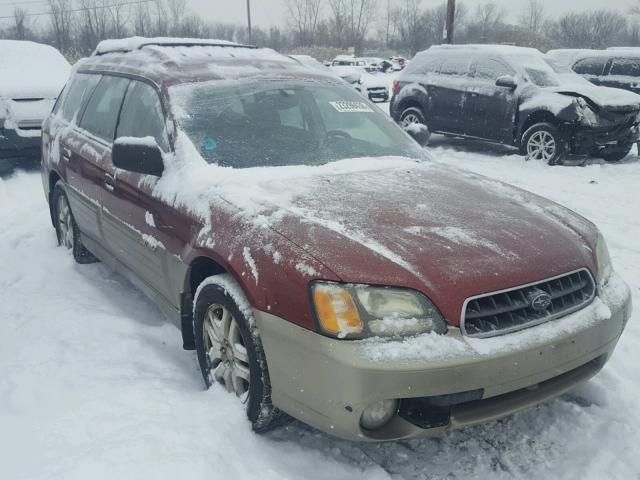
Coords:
31,78
373,86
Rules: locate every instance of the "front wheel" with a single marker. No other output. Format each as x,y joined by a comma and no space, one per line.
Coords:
543,141
230,351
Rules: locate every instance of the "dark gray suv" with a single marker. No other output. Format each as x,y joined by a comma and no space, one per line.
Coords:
512,95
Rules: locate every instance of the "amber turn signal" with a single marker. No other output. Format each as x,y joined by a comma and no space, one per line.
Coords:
336,311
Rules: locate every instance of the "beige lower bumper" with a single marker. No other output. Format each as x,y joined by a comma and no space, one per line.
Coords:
327,383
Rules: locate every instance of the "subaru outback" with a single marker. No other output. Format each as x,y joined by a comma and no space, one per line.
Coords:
310,251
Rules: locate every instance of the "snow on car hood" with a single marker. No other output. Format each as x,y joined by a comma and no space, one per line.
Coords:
31,70
394,221
613,99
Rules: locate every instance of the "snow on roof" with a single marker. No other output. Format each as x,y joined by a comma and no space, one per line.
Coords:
136,43
489,49
31,70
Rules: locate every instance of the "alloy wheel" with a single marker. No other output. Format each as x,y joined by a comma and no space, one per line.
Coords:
227,357
65,222
410,119
541,146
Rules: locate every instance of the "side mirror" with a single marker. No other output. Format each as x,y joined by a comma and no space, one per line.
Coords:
140,155
419,132
506,81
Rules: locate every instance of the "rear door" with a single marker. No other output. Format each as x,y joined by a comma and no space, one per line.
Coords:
489,110
592,68
69,153
447,94
139,229
624,73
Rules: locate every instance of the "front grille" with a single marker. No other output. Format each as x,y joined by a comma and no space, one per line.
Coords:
513,309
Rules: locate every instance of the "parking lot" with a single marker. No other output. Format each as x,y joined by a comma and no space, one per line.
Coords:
96,384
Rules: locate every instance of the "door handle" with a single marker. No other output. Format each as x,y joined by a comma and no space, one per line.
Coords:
109,182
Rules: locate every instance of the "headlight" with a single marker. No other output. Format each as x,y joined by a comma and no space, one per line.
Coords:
359,311
604,261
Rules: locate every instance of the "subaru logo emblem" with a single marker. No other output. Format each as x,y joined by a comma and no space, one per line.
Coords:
539,300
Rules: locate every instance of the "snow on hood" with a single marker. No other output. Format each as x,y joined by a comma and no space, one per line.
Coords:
427,223
607,98
31,70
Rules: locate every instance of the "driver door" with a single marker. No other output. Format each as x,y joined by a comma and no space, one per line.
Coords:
136,225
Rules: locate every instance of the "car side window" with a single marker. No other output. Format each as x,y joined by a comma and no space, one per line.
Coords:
626,67
457,66
490,70
591,66
76,94
102,110
142,115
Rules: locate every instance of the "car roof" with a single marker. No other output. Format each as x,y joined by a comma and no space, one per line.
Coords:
169,61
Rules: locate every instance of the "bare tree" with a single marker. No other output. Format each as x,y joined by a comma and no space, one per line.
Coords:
488,16
350,21
595,29
533,17
304,16
61,19
20,27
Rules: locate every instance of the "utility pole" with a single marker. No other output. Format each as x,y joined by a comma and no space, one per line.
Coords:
249,21
451,15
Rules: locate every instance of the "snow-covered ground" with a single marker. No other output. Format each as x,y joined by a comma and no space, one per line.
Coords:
94,383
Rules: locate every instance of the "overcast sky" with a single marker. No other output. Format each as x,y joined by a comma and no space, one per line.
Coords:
272,12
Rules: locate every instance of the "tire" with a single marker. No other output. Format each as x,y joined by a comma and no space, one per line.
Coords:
412,115
236,350
67,230
615,154
543,141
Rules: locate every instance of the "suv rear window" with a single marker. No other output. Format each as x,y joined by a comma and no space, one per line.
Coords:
591,66
626,67
101,113
76,94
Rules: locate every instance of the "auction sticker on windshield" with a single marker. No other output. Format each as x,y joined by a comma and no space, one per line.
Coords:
351,107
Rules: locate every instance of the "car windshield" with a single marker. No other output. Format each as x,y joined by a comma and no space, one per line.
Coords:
257,124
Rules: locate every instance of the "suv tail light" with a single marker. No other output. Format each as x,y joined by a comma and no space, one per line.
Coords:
396,87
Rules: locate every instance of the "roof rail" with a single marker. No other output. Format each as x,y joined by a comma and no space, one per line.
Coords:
138,43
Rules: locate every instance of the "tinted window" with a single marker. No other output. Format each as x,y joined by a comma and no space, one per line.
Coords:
628,67
492,70
76,94
590,66
142,115
101,113
455,66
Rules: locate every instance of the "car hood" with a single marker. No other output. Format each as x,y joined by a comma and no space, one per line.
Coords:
448,233
610,99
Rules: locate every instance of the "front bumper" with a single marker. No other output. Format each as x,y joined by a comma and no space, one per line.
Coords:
18,144
586,140
327,383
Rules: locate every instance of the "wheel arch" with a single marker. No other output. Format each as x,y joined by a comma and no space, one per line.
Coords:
529,119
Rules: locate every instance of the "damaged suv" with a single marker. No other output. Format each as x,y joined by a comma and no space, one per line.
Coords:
312,254
511,95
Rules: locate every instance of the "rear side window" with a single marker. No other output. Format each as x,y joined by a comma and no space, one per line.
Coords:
458,66
76,94
102,110
491,70
627,67
142,115
591,66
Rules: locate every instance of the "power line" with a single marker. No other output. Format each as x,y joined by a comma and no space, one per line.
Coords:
83,9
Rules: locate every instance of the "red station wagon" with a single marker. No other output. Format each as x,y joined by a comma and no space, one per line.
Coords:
311,252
